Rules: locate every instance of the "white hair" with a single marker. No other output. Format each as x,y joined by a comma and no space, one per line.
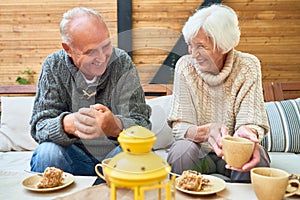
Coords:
72,14
219,23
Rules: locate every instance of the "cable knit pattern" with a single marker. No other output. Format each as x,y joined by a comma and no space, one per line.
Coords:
60,92
234,97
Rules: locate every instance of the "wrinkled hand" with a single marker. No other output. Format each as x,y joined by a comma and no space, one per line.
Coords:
216,133
96,121
245,132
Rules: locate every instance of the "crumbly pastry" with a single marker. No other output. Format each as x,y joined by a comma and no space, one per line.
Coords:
295,177
192,180
52,177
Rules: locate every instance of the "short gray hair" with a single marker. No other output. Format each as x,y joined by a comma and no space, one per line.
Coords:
219,22
69,16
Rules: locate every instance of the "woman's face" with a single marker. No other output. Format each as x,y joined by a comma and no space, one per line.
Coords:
201,49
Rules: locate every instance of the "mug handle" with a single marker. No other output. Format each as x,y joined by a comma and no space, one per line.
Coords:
97,171
295,189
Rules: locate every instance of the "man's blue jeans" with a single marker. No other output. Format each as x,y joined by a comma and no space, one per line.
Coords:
71,159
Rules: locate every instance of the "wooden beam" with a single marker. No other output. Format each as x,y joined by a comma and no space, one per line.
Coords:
125,25
18,89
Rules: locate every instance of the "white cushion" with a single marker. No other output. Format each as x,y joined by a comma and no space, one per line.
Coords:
160,111
16,115
15,128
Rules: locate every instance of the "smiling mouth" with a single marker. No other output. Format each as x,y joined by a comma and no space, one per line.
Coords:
97,63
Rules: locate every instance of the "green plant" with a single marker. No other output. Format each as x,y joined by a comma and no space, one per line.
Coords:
28,79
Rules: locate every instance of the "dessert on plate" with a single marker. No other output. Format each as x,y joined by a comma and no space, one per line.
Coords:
52,177
192,180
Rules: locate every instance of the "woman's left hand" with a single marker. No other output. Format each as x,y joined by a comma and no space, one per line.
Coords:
245,132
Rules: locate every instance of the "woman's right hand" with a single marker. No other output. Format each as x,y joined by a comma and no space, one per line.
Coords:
198,134
211,133
215,135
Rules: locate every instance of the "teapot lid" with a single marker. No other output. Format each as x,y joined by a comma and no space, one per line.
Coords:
136,132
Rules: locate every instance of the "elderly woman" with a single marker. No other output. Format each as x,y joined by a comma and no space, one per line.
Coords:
217,92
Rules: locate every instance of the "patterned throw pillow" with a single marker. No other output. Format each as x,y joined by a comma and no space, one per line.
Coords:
284,120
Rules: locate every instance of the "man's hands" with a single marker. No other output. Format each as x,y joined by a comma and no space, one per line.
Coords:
94,122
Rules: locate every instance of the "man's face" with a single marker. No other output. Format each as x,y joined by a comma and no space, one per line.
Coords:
91,47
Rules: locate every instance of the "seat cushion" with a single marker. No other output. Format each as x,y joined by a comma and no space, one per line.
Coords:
289,162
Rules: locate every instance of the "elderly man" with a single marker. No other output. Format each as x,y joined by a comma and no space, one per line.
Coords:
88,92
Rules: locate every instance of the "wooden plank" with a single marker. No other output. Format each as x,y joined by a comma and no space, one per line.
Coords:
160,15
38,2
275,49
276,75
284,91
268,91
146,60
18,89
278,94
280,23
270,40
147,71
16,18
278,91
60,6
149,6
277,58
156,90
270,31
267,14
264,5
167,24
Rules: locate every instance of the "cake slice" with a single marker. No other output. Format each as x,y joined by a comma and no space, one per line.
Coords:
52,177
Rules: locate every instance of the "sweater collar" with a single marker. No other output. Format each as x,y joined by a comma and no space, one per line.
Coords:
214,80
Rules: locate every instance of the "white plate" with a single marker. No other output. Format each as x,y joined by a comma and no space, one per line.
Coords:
31,182
215,185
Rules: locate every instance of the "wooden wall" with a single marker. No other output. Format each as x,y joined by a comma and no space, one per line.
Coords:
157,26
271,30
29,31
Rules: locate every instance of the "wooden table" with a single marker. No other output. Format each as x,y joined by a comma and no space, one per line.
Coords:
233,191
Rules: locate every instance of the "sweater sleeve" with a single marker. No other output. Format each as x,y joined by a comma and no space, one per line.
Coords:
128,102
182,114
49,109
249,108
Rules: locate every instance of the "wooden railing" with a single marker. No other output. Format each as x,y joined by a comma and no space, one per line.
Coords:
273,91
18,90
277,91
156,90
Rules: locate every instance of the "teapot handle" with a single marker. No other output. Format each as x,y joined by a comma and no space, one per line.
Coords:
97,171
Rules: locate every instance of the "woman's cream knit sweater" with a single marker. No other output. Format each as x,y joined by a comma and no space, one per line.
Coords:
234,97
